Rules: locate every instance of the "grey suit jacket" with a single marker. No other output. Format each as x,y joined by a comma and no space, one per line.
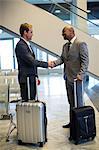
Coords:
75,60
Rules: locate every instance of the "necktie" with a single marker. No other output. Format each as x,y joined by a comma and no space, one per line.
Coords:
30,47
69,45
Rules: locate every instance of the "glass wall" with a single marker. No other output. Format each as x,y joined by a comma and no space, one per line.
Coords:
8,58
6,54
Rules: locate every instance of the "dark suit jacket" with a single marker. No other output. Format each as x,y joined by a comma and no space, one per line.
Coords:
27,64
75,61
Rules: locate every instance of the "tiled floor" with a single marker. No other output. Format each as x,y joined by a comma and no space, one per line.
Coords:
92,91
52,91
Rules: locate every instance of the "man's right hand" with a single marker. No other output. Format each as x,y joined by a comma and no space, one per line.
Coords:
51,64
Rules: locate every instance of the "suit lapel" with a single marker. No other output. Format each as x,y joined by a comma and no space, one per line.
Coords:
30,51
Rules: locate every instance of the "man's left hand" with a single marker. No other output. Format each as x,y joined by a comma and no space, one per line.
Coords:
79,77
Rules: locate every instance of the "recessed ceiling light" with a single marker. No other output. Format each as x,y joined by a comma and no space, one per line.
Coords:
88,11
45,0
57,11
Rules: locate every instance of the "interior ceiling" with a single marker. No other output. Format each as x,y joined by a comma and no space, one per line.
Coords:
50,1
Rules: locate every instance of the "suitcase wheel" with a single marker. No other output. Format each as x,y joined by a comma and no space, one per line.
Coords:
41,144
76,142
70,138
20,142
91,138
46,140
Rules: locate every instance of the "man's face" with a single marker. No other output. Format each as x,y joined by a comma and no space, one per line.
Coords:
29,34
66,34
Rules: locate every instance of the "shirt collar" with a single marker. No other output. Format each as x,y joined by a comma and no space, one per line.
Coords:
25,41
73,39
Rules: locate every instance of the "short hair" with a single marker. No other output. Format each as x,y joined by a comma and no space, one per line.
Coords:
24,27
69,27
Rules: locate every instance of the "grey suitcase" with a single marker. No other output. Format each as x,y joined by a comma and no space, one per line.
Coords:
31,122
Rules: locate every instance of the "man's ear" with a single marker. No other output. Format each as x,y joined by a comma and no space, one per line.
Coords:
25,32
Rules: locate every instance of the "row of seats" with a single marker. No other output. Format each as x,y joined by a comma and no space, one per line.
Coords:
8,79
9,90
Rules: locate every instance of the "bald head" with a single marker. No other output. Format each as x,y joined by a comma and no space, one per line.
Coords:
68,27
68,32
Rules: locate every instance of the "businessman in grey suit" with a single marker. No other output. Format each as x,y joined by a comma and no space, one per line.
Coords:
75,58
27,64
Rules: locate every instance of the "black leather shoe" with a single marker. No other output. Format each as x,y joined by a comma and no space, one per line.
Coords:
66,126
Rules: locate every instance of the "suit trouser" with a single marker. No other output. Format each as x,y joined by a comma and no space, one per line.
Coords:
24,90
70,94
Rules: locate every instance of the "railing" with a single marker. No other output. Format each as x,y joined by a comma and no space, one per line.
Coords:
93,23
65,12
32,43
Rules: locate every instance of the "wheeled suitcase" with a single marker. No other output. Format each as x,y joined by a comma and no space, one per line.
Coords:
82,128
31,122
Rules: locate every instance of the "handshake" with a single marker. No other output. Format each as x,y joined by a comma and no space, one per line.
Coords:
51,64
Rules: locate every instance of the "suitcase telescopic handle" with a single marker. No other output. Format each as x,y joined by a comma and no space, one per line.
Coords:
75,92
36,90
28,87
76,95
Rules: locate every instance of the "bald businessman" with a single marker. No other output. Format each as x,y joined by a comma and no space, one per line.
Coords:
75,58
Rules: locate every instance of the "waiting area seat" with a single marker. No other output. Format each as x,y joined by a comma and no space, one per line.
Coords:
4,99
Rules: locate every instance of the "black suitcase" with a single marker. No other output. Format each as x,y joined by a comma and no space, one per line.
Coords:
83,126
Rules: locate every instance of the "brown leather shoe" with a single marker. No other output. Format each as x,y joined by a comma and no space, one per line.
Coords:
66,126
